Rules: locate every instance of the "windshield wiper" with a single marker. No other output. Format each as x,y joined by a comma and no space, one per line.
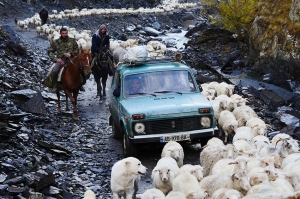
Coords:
142,94
169,92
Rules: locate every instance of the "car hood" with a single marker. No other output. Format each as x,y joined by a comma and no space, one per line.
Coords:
166,104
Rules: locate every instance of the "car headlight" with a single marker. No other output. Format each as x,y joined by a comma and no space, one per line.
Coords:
205,121
139,127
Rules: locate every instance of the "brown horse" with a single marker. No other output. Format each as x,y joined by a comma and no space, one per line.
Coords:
71,79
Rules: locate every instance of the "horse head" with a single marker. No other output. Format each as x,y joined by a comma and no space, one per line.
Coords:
85,62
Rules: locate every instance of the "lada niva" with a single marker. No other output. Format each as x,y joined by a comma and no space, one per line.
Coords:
158,101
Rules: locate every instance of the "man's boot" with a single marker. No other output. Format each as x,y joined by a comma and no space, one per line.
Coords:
54,88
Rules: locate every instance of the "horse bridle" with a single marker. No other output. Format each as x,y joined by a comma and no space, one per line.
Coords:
81,66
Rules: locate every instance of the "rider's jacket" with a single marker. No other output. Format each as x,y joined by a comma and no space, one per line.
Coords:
61,46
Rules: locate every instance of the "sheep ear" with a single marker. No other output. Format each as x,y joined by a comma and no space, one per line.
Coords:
220,196
230,163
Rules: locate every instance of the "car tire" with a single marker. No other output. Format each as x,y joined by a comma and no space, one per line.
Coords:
129,149
116,133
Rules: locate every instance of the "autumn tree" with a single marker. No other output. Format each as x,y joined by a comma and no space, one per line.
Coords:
236,15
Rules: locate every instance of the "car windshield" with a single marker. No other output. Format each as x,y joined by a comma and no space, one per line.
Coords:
160,82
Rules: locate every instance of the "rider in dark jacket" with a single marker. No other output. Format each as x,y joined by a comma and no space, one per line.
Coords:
100,41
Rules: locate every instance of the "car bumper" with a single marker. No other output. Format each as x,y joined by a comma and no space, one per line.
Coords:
157,137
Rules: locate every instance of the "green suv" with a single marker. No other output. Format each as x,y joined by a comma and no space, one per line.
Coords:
158,101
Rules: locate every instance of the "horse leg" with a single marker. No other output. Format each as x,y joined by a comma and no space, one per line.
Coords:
100,89
75,111
67,103
58,102
73,100
104,79
97,80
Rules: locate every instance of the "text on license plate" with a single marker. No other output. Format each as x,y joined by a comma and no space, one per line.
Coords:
180,137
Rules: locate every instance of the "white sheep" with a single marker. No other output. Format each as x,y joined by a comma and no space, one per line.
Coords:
276,140
224,89
260,162
208,93
175,195
243,114
187,184
227,123
164,173
229,166
225,193
294,157
284,149
231,103
218,106
270,171
89,194
213,85
242,146
237,181
240,100
174,150
257,125
151,194
195,170
260,141
212,154
243,133
214,142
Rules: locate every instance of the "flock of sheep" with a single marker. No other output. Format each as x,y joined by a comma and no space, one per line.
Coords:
251,167
83,37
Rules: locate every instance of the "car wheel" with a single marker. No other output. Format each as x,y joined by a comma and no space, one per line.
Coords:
117,134
129,149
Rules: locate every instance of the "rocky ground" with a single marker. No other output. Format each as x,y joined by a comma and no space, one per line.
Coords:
48,155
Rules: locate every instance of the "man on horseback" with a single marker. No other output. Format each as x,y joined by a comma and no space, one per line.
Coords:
100,41
60,51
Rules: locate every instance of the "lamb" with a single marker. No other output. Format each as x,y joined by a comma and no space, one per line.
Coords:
211,154
243,133
164,173
243,114
174,150
257,125
195,170
227,123
237,181
230,166
151,194
225,193
187,184
224,89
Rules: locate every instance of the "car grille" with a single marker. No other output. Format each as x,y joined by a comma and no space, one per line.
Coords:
172,125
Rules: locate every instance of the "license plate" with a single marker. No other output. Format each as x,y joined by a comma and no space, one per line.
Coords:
179,137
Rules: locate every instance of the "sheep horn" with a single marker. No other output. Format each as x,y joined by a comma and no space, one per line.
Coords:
277,142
